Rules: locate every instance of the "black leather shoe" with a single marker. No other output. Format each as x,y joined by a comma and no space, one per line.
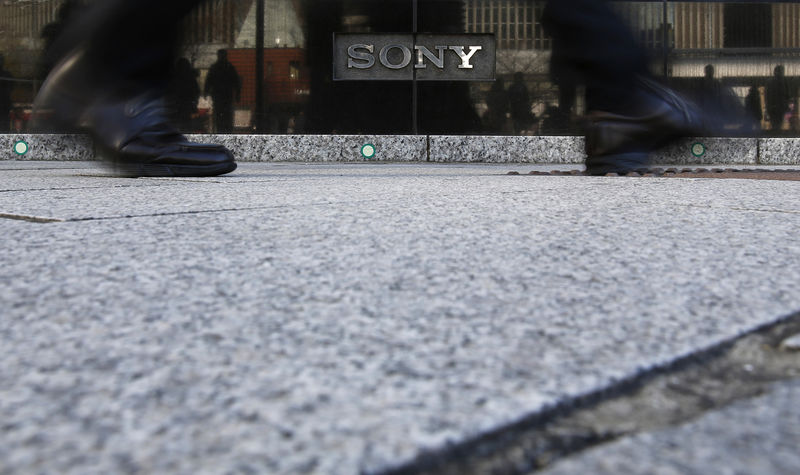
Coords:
621,142
136,137
128,123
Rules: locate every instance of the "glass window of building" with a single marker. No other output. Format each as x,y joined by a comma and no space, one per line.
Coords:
738,53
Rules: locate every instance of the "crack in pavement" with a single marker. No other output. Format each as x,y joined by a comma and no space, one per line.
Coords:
708,380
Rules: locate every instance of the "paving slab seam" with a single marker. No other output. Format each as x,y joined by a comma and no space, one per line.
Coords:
81,188
739,208
49,168
31,219
762,210
695,172
50,220
731,367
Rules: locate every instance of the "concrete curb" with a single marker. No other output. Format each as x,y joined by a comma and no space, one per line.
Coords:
322,148
59,147
420,148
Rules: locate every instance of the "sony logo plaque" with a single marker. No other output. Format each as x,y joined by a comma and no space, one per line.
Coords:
424,57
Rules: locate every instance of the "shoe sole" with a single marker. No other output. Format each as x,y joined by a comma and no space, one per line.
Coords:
620,163
134,170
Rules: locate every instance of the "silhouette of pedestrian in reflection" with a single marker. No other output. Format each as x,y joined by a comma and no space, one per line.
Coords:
708,78
778,95
6,85
752,104
184,94
719,99
567,79
710,91
520,103
224,86
497,107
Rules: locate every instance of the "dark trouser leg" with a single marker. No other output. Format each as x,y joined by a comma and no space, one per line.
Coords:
223,117
129,40
113,63
591,44
629,114
776,117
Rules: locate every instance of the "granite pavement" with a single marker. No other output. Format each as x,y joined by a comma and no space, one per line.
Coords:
758,436
346,318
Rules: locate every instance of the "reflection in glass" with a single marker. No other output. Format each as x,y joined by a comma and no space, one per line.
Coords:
725,55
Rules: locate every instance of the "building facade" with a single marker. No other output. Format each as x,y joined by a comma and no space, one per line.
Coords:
742,42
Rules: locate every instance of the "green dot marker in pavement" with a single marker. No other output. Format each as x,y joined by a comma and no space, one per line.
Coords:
698,149
368,151
21,147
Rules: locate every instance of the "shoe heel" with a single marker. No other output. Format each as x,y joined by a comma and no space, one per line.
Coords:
620,163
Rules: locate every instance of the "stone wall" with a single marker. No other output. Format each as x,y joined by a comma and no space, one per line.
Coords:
421,148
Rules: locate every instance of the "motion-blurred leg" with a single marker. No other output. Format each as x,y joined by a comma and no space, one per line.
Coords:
629,113
113,64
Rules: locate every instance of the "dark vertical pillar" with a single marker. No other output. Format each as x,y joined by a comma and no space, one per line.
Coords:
445,107
259,112
414,91
665,38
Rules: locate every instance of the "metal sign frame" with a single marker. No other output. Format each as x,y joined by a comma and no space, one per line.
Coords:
414,57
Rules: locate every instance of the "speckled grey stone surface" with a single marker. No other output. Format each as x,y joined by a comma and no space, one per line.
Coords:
321,148
710,150
758,436
393,148
495,149
337,318
48,147
500,149
777,151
